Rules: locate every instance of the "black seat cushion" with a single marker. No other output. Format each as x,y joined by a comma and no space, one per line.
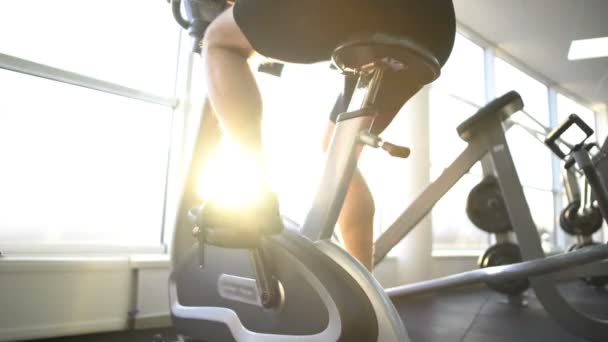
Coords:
397,52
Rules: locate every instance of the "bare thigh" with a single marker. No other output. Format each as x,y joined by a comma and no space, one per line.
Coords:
225,33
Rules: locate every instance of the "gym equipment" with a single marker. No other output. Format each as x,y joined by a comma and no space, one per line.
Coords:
594,168
580,218
482,131
486,207
296,285
561,266
487,210
584,214
485,134
504,253
595,281
576,222
600,163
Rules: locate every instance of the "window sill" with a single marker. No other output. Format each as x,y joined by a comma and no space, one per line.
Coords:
78,250
150,261
41,263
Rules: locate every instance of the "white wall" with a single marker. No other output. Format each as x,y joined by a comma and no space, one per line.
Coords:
151,294
62,296
47,297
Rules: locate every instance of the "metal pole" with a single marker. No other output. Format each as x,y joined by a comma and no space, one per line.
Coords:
44,71
425,202
505,273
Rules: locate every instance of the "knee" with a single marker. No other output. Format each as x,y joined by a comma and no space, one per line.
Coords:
224,33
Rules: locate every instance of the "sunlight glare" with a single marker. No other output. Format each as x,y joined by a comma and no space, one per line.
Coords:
296,111
224,180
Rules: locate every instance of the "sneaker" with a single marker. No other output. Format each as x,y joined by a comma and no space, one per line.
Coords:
240,227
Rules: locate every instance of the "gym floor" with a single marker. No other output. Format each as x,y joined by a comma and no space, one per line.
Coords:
472,314
476,314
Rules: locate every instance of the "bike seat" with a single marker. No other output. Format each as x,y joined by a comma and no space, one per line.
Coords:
502,107
397,52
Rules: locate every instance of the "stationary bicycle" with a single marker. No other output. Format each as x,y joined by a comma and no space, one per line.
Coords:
296,285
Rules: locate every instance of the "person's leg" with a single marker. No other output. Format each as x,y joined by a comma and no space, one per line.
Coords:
236,101
231,86
357,216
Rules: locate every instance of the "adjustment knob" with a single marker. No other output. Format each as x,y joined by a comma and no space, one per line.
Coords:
395,150
375,141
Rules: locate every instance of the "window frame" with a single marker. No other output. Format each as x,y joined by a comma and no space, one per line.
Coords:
179,104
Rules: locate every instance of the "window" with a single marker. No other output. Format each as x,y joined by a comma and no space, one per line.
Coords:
533,92
84,167
79,165
130,42
567,106
463,74
532,159
454,97
446,114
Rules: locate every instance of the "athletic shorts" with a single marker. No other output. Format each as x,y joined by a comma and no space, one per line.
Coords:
308,31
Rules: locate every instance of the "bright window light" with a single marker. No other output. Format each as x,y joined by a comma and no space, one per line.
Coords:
224,181
588,48
296,112
79,166
138,49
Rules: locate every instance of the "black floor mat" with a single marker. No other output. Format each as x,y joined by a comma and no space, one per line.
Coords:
477,314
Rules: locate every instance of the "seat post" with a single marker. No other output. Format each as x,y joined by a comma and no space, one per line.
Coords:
341,159
368,84
369,57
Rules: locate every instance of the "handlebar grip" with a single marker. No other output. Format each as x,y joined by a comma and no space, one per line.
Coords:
553,136
177,14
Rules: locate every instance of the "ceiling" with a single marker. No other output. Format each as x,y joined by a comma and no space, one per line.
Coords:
537,33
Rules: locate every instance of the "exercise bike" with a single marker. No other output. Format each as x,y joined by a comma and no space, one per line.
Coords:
296,285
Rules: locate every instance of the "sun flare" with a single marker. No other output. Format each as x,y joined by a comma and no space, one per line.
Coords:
232,178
